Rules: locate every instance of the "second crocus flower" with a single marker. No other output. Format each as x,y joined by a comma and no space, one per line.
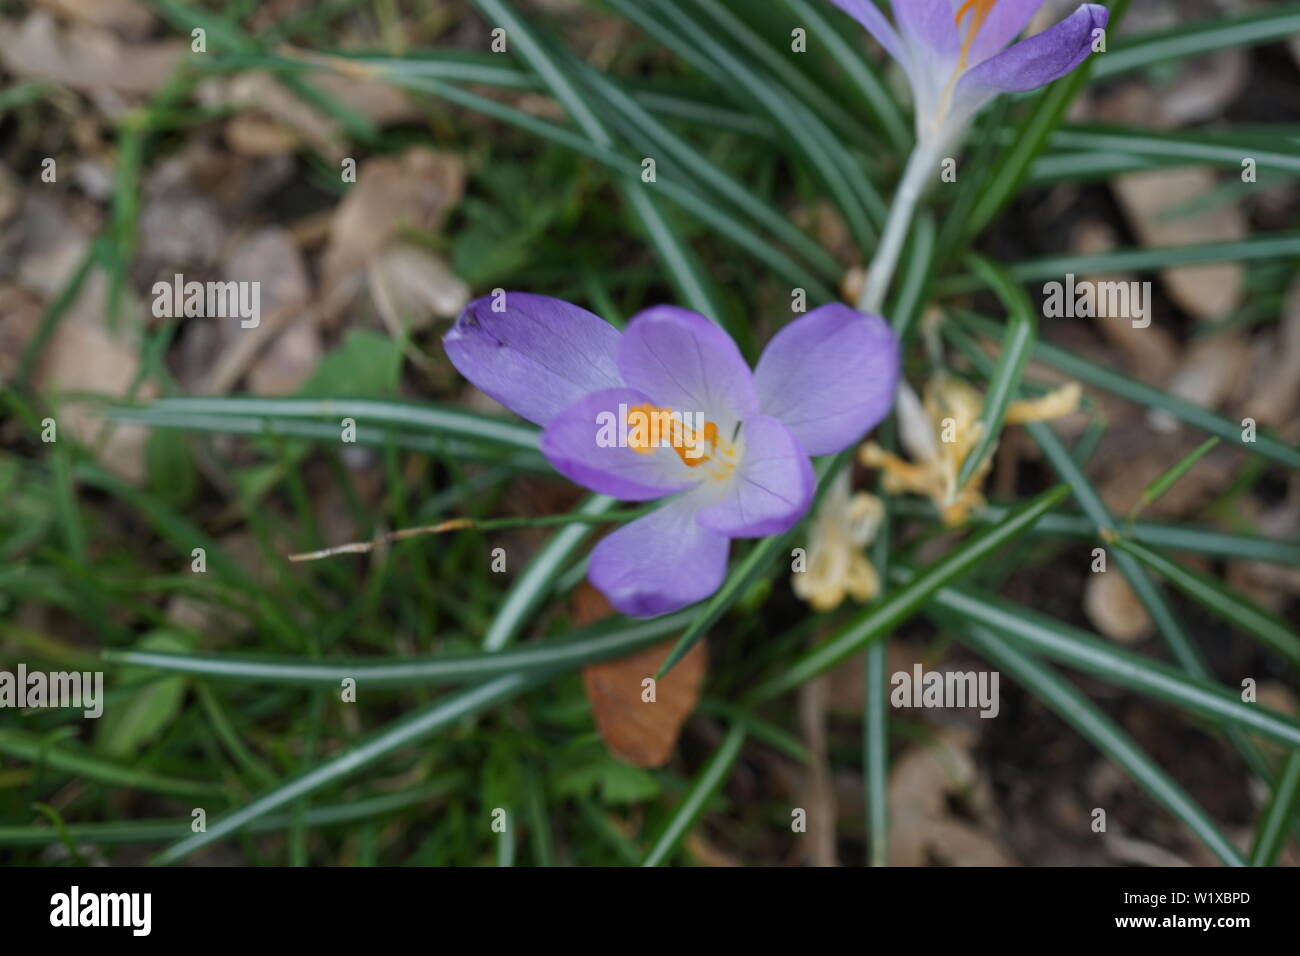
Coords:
958,54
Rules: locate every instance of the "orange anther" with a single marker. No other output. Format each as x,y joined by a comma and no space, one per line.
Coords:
979,11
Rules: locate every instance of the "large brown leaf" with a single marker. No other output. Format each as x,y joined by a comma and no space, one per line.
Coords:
637,731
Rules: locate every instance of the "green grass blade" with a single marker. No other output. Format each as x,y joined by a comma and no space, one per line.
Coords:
535,584
654,137
406,732
1017,343
609,639
918,269
1119,384
777,65
1171,629
1156,534
447,421
1210,594
657,140
32,748
875,753
52,314
1108,736
685,271
1031,136
1281,813
1222,149
873,621
1152,492
858,202
161,831
1199,37
683,267
875,93
760,556
539,58
1279,245
710,778
1084,652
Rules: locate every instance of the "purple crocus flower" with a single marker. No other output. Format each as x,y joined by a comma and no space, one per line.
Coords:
957,58
670,408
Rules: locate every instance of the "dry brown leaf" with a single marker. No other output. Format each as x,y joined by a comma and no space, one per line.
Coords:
11,195
637,731
130,17
1206,86
412,287
289,329
641,733
817,789
708,854
848,679
1128,850
1129,104
84,356
1272,585
85,58
252,134
259,91
1153,202
1211,371
289,361
414,190
1114,609
278,120
1275,398
382,103
181,227
1151,352
922,824
588,606
20,314
271,257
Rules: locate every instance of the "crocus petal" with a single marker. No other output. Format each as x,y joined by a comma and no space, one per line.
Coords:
829,377
931,23
869,15
537,357
1038,60
1006,21
659,563
582,443
770,489
686,363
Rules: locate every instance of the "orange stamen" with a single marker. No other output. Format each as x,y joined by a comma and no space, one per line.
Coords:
979,11
660,423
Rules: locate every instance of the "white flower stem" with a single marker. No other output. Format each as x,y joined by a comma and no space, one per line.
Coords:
880,273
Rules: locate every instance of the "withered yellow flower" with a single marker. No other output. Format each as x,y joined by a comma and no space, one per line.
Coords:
940,432
837,566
